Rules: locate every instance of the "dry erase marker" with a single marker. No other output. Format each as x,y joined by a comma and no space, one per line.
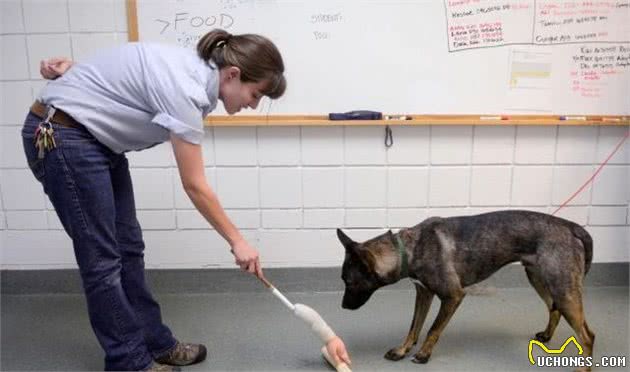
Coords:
572,117
494,118
399,117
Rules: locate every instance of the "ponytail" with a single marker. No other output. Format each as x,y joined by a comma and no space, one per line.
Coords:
256,56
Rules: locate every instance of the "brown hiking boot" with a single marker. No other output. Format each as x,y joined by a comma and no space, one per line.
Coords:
183,354
157,367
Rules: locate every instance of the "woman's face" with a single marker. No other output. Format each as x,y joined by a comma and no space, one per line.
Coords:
236,94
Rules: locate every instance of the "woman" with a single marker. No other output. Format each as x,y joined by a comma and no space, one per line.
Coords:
128,98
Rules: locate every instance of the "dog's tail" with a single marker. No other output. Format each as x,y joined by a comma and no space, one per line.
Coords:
583,235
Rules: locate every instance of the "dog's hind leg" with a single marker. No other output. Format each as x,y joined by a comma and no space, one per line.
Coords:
554,313
447,309
571,308
424,297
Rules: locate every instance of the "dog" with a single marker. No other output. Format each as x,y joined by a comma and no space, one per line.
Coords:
442,256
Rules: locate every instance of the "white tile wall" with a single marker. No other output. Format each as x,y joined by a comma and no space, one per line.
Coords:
609,139
364,146
451,144
407,187
611,186
244,218
322,146
490,185
54,223
447,212
11,17
46,16
614,239
282,218
576,145
449,186
191,219
20,190
86,45
493,145
567,179
235,146
411,145
120,15
11,154
289,188
280,188
535,145
153,188
35,248
85,17
238,187
578,215
324,218
366,218
405,217
365,187
14,63
323,187
604,216
531,186
15,99
279,146
26,220
160,156
156,219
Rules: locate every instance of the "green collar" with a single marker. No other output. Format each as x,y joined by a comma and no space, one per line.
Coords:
404,270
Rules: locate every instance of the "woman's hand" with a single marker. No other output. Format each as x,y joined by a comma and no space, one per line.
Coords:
337,350
54,67
247,257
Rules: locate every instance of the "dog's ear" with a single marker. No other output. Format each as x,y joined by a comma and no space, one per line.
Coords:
345,240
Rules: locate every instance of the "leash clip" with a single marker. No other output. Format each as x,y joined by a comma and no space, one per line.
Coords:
50,113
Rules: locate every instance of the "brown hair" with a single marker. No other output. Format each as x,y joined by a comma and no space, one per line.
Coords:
256,56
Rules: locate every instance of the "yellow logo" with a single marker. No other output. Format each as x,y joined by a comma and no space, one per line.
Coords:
553,351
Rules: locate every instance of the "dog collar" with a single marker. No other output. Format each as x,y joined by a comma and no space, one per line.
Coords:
404,270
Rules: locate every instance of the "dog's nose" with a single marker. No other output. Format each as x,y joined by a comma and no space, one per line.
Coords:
348,306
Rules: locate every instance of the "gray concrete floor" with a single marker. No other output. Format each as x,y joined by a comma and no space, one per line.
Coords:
255,332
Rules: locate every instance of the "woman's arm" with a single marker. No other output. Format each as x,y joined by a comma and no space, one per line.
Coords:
190,164
53,68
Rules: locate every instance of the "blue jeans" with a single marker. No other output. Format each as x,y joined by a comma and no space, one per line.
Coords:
90,188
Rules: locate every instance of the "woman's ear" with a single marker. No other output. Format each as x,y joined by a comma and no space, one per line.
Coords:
233,73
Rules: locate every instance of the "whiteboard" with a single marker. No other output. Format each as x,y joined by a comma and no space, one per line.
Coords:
425,56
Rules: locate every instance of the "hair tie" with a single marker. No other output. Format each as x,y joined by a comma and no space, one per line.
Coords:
221,44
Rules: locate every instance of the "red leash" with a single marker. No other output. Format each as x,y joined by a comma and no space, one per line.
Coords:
625,137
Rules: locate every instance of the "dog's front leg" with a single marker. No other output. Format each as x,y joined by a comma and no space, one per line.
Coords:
424,297
447,309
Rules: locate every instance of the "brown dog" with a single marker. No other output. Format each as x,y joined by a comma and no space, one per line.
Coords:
442,256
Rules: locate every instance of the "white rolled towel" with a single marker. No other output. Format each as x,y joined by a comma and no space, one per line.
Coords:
317,323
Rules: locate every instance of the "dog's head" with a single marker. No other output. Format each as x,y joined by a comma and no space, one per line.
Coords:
366,268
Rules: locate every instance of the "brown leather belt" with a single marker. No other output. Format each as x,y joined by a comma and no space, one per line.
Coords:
60,117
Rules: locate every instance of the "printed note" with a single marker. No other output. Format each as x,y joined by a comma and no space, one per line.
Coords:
530,85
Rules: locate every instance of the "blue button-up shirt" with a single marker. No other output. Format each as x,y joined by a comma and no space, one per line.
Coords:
134,96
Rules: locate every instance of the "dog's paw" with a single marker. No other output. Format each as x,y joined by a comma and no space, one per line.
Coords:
542,337
395,354
420,358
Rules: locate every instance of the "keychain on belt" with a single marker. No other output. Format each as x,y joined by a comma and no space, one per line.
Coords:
44,139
